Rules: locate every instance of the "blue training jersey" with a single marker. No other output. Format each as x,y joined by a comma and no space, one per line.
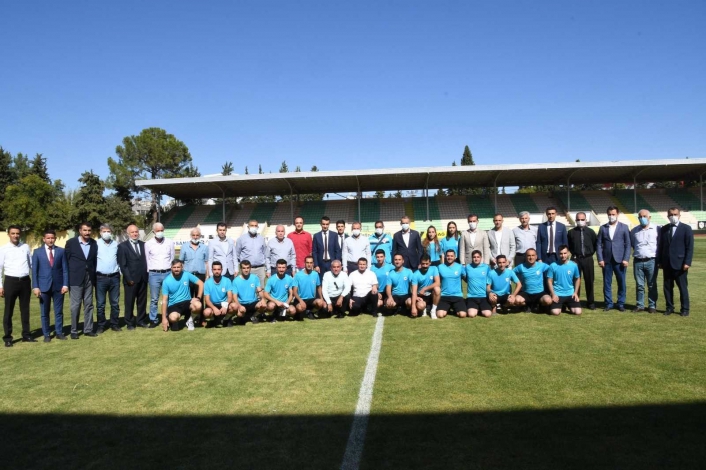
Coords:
476,280
448,244
178,290
246,289
451,280
422,280
563,276
431,250
501,282
381,273
532,277
400,281
383,243
278,287
217,292
306,284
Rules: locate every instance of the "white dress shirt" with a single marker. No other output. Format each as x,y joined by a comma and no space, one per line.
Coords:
354,249
333,286
362,283
15,260
159,255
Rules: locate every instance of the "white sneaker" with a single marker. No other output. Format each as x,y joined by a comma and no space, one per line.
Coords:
433,315
424,314
190,324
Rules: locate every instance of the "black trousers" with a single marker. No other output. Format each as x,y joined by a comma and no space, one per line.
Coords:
16,288
352,266
370,302
670,276
193,287
344,305
136,293
586,269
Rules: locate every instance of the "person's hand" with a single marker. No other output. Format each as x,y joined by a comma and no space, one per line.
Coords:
317,269
329,307
165,324
575,297
64,290
493,297
625,264
37,293
685,267
511,299
339,302
130,283
601,263
224,310
414,310
2,292
555,298
374,290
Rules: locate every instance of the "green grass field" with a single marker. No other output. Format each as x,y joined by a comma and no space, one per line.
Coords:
617,390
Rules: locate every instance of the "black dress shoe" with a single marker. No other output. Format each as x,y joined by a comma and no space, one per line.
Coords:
8,343
116,328
47,339
61,337
607,309
28,339
143,325
340,315
684,314
100,331
639,309
92,334
153,324
591,306
651,310
667,312
310,315
74,335
130,327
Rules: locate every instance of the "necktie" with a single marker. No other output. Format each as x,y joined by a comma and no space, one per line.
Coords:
551,238
325,246
51,256
137,248
582,249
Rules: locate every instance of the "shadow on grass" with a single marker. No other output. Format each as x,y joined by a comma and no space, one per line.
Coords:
657,436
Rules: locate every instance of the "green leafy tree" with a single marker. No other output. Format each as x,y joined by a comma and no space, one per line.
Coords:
7,178
89,201
379,195
21,166
467,160
227,169
313,196
38,167
34,206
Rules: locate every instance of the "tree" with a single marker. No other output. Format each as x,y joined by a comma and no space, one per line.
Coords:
379,194
227,169
467,160
38,167
312,196
7,178
152,154
89,201
21,166
33,206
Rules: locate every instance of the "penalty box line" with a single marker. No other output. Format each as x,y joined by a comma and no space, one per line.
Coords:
356,439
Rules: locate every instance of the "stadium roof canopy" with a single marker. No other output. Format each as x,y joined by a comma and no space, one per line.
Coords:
392,179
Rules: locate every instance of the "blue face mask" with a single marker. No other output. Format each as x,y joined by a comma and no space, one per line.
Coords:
643,221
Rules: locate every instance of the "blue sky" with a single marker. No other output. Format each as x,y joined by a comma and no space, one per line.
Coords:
354,85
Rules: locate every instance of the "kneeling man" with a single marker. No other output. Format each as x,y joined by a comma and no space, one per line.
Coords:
218,297
500,279
364,289
307,290
176,297
476,275
564,282
278,293
531,275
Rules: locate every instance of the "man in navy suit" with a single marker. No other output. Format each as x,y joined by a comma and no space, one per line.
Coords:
613,250
674,255
550,235
50,281
133,265
81,255
325,248
408,243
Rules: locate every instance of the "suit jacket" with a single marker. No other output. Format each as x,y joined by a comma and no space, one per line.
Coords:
317,248
45,277
505,246
560,238
78,264
617,249
674,251
411,253
132,266
466,249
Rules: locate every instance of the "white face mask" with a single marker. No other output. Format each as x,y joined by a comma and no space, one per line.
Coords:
355,232
107,236
673,219
252,230
612,219
135,241
405,227
378,231
195,241
472,225
580,223
159,235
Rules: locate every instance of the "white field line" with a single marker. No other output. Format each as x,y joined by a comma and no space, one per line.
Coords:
356,440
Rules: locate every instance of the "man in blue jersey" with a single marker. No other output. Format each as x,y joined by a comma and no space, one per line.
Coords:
476,275
246,293
398,281
426,288
176,297
381,241
531,275
500,293
218,297
278,293
307,290
564,282
450,274
381,268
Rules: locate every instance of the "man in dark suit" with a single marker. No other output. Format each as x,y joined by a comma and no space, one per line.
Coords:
50,281
613,252
674,254
408,243
582,245
81,255
341,237
550,235
325,248
133,265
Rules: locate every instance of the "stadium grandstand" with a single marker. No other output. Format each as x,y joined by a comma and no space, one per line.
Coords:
435,210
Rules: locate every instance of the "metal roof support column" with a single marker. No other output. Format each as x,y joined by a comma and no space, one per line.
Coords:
701,188
495,185
291,200
358,195
157,205
426,187
223,202
634,193
568,191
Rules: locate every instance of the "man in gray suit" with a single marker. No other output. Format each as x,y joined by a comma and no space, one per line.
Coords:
502,242
222,249
613,250
473,239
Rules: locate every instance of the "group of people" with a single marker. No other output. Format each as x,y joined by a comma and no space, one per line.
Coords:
231,282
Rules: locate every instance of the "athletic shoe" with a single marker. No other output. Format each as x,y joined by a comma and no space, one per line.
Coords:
433,316
190,324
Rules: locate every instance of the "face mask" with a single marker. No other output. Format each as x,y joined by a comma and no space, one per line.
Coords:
159,235
134,241
643,221
612,219
405,227
107,236
673,219
472,225
580,223
356,233
378,231
252,230
195,241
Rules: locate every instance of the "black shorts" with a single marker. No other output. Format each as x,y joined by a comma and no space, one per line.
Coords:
502,299
401,300
565,300
478,303
251,308
532,299
309,303
457,304
182,308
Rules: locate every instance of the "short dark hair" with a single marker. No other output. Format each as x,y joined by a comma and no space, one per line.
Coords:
326,218
217,263
306,258
176,261
245,263
470,216
14,227
500,257
340,221
612,208
450,250
281,261
85,224
476,251
380,250
299,217
550,208
425,257
362,258
380,222
561,247
49,231
221,224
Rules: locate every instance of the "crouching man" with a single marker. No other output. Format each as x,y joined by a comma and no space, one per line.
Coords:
218,297
176,297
